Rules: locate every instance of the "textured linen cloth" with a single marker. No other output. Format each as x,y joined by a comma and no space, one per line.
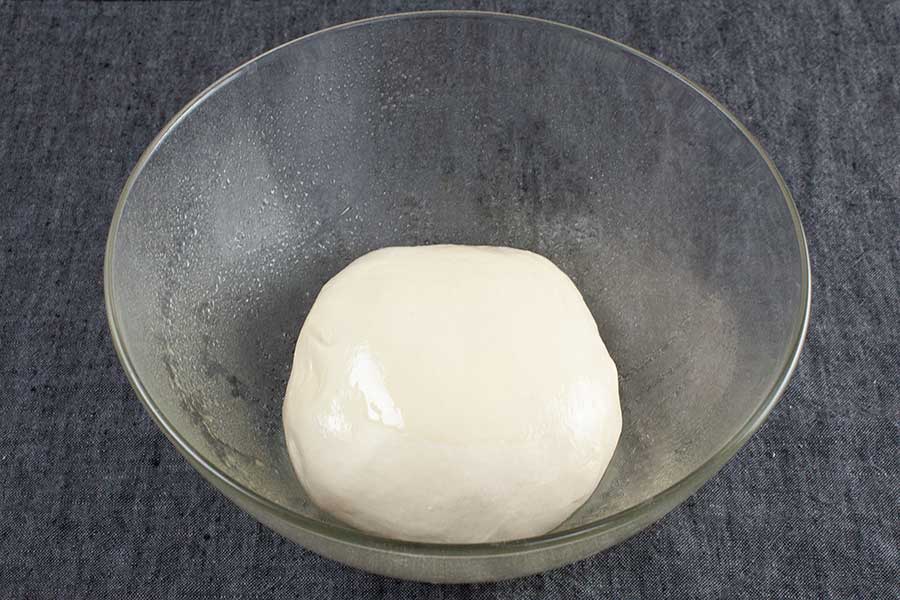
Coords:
95,503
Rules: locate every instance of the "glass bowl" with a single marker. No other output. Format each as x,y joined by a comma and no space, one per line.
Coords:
467,128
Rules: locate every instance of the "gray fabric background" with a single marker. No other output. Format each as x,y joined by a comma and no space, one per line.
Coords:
95,503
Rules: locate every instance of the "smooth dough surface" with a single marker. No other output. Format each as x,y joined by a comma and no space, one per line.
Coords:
454,394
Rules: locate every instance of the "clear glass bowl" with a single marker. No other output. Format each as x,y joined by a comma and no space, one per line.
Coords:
471,128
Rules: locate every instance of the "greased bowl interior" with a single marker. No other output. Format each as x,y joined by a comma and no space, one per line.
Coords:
467,128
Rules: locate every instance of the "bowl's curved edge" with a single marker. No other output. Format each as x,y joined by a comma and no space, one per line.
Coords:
646,512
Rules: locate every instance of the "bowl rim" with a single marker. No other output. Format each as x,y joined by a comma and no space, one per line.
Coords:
642,513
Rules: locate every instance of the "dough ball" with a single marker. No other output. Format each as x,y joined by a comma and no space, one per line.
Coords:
454,394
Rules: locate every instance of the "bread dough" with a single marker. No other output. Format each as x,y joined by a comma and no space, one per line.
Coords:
454,394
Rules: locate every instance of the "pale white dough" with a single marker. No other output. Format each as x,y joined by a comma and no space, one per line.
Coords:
452,394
